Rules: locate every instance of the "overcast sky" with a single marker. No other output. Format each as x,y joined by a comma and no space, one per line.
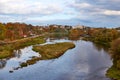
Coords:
99,13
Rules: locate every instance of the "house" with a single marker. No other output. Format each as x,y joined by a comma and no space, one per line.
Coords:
80,27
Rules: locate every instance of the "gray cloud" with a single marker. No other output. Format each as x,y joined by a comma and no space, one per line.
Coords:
104,12
101,6
86,12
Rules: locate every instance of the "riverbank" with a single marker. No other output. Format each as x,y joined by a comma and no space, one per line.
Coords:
6,50
114,50
114,71
74,61
49,51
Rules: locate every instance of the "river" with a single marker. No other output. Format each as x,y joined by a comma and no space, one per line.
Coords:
84,62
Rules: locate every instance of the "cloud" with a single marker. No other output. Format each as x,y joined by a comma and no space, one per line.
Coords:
26,7
101,12
111,12
87,12
10,18
80,5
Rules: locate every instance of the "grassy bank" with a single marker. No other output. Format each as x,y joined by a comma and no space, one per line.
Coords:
51,51
99,42
114,50
7,50
114,71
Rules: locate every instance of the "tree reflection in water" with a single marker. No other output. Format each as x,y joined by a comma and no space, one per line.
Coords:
3,63
17,53
100,47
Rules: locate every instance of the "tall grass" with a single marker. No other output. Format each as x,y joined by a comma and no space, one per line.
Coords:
7,50
51,51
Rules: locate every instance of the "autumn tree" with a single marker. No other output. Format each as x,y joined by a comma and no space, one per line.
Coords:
104,35
2,31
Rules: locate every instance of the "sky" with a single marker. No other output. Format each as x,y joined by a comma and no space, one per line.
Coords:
94,13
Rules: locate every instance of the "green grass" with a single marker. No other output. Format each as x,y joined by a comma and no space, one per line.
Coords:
7,50
27,42
23,64
51,51
29,62
113,73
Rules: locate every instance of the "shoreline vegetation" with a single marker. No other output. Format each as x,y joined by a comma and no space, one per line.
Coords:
110,38
49,51
6,50
114,71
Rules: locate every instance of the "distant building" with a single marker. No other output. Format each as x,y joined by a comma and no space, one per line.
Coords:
118,30
79,27
61,26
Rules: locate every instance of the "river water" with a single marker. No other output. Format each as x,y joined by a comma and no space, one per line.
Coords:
84,62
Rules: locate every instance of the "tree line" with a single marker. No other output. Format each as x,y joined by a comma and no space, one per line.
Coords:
12,31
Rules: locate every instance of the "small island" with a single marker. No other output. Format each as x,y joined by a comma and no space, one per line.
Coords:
51,51
48,51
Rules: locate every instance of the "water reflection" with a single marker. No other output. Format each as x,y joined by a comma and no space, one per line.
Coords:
2,63
98,63
100,47
85,62
55,38
17,53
